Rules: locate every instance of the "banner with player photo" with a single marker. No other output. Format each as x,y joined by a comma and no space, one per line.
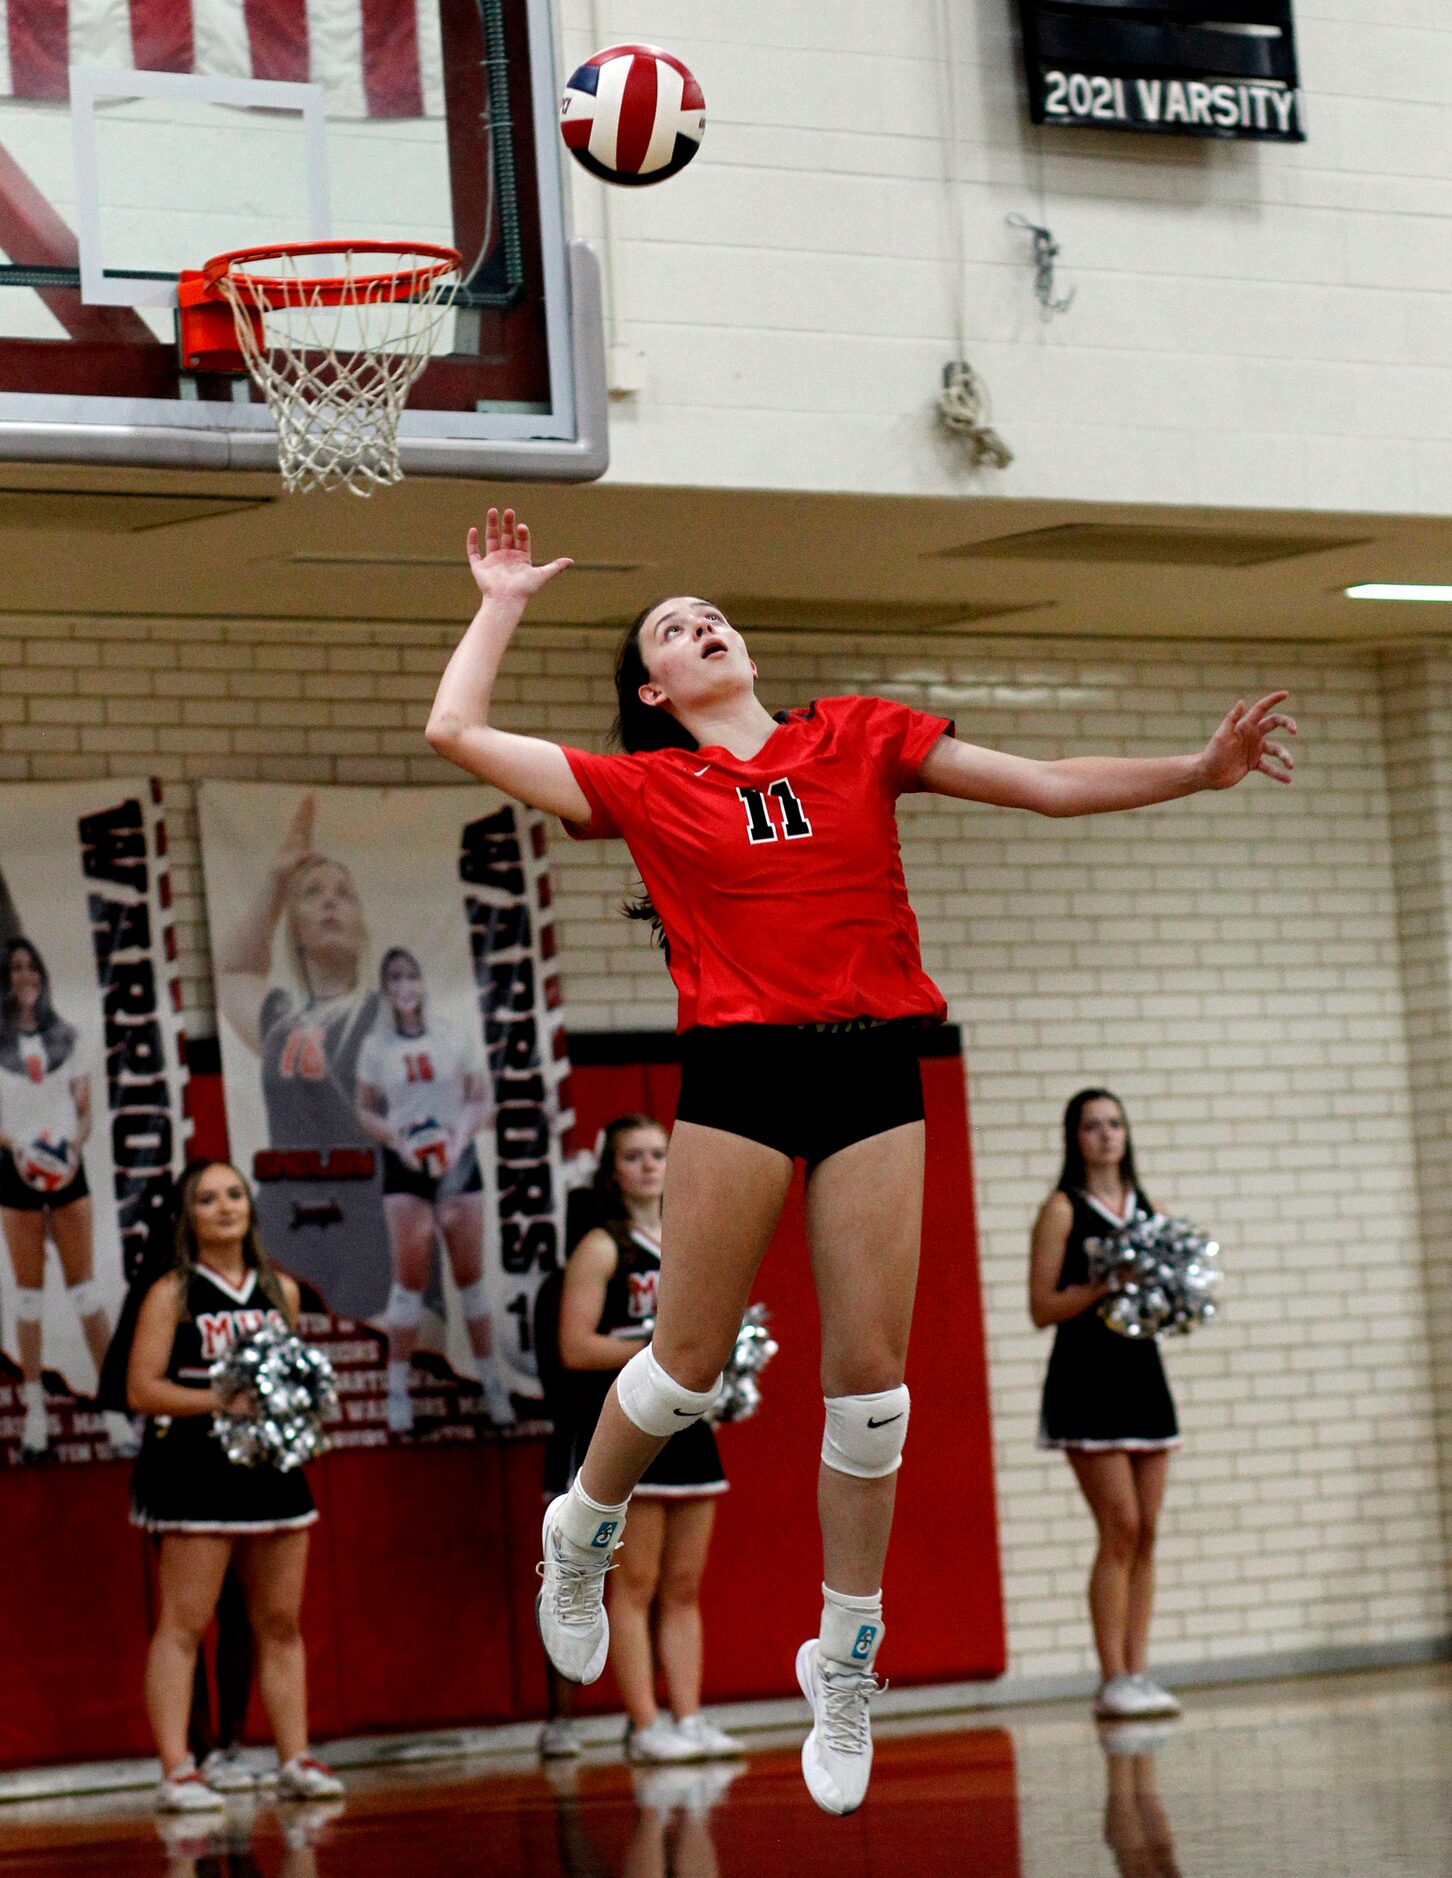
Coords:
395,1080
91,1081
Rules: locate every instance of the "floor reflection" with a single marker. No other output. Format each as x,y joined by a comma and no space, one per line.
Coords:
1346,1778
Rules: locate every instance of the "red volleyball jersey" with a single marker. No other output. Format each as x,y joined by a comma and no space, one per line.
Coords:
778,878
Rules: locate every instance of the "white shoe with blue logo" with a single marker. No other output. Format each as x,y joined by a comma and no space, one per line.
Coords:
570,1608
837,1754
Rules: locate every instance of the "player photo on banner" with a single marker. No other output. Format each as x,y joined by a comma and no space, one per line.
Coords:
91,1084
393,1063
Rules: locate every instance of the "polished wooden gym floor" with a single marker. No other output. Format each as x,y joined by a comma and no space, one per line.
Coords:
1347,1777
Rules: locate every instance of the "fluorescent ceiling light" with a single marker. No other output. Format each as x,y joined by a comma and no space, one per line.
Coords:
1383,590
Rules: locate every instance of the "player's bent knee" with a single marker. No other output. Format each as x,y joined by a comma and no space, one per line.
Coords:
864,1435
656,1402
405,1308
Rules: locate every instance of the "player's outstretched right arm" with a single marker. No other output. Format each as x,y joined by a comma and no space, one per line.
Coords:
531,769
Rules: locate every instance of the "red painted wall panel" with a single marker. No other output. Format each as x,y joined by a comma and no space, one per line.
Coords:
420,1604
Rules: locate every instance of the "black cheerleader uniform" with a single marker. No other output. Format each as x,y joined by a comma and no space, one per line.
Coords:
689,1465
1103,1390
183,1480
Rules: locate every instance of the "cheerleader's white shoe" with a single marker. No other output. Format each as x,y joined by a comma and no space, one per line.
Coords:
184,1790
306,1778
1122,1699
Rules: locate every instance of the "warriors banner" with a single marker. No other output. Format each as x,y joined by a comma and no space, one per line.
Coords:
91,1083
394,1067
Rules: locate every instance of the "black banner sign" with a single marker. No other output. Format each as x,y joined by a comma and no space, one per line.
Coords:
1210,68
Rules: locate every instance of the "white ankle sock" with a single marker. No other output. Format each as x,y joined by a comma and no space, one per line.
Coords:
398,1378
851,1627
589,1526
34,1394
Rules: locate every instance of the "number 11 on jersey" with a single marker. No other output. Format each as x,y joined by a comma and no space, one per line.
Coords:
759,824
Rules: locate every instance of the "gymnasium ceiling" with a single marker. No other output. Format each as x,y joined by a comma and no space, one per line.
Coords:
97,542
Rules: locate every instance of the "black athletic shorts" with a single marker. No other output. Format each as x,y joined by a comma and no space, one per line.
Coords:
19,1194
463,1177
807,1090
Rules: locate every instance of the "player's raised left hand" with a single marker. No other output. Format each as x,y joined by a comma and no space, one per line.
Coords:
505,571
1245,742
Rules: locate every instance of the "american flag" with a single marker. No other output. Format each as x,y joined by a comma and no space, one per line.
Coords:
374,58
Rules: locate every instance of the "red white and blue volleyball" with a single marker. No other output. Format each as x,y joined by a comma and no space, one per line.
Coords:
633,115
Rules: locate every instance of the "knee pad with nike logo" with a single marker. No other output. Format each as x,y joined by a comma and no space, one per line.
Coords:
864,1435
656,1402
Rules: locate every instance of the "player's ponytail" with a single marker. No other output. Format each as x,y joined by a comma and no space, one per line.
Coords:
641,726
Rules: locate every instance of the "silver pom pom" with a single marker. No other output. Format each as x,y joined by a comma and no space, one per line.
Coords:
755,1347
1161,1274
279,1392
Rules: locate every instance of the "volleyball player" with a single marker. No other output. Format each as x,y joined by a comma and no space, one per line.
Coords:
45,1123
768,847
308,1034
423,1095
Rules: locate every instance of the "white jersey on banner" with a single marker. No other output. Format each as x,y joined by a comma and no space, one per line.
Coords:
421,1079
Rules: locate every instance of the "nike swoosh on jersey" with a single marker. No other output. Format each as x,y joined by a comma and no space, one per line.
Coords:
700,772
872,1424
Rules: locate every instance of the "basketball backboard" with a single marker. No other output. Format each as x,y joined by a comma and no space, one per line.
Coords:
140,137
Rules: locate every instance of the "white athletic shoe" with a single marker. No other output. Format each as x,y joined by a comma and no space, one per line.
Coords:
1165,1703
659,1744
713,1742
35,1435
184,1790
400,1414
558,1740
837,1754
305,1778
1122,1699
497,1405
570,1608
225,1771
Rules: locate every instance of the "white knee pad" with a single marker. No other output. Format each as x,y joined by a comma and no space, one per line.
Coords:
655,1402
29,1304
86,1298
864,1435
474,1300
405,1308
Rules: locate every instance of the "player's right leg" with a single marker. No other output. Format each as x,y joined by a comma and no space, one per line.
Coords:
723,1197
25,1238
411,1244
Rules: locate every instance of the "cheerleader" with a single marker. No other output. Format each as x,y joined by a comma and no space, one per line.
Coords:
307,1036
45,1123
769,851
1106,1402
422,1096
207,1510
608,1306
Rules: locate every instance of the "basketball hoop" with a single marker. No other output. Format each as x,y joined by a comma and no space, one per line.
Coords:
335,355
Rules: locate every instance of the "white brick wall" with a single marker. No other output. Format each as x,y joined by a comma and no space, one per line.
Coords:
1229,964
1253,323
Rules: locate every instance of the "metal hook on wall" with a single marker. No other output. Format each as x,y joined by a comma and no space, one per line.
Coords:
1046,252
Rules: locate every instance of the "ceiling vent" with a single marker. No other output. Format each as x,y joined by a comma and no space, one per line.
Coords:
1163,544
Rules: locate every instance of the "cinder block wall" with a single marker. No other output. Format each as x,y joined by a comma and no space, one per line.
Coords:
1231,964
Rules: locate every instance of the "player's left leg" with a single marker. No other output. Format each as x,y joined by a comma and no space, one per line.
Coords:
680,1640
411,1246
1150,1472
461,1221
864,1219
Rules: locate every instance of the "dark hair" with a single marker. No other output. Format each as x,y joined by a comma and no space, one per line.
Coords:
57,1037
1071,1174
610,1207
642,726
187,1249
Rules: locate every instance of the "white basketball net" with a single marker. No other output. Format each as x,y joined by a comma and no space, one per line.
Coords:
336,365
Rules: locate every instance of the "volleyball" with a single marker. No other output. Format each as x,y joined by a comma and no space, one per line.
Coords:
45,1164
633,115
428,1147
